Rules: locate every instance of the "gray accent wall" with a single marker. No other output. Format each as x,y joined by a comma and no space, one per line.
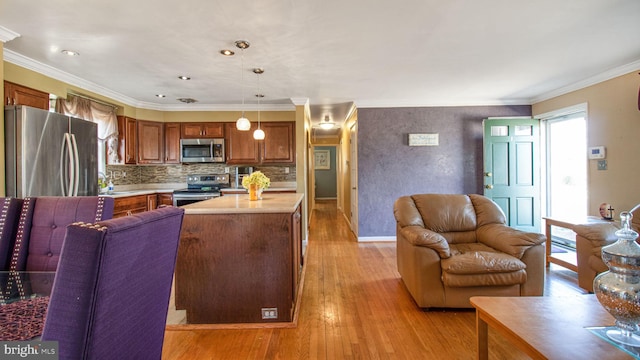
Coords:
389,168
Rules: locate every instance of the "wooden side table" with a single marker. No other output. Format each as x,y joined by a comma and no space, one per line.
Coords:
568,224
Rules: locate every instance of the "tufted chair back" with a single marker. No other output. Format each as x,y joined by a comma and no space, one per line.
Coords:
9,216
42,227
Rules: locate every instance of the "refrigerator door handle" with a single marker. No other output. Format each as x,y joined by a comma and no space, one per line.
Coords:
66,182
76,165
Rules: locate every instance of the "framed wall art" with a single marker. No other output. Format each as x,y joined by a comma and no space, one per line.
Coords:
322,159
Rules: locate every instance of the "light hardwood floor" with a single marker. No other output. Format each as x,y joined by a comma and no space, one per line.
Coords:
354,306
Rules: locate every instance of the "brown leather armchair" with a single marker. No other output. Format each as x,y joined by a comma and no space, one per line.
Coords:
590,238
451,247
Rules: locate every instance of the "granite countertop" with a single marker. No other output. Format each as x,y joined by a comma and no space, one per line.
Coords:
240,204
146,189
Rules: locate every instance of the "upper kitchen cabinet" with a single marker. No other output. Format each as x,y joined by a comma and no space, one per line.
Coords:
242,149
15,94
278,147
150,142
202,130
127,141
172,143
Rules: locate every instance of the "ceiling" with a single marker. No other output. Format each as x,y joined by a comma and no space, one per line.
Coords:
330,53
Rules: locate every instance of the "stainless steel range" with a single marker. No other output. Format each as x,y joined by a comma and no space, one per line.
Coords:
200,187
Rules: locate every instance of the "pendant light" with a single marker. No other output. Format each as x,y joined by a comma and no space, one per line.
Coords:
242,124
258,134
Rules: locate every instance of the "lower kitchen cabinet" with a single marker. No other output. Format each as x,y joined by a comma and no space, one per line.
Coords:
123,206
165,199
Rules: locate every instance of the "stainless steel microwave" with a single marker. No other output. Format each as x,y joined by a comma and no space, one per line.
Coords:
202,151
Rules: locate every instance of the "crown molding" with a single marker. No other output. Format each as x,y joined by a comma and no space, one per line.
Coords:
7,35
28,63
604,76
300,101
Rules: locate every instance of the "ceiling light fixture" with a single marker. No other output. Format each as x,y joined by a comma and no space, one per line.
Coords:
242,124
258,134
327,124
161,95
184,77
227,52
70,52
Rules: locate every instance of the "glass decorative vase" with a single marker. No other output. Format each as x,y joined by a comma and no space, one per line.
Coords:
618,290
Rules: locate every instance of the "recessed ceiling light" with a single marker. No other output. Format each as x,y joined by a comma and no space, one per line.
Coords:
227,52
161,95
70,52
184,77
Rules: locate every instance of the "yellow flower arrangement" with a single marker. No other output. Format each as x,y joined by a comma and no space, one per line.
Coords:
257,178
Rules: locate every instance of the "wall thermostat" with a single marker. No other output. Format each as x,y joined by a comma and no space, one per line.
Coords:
596,152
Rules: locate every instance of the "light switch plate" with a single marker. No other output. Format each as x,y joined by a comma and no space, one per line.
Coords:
602,164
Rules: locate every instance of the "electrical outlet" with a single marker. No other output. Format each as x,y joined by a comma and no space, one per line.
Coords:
226,169
286,170
269,313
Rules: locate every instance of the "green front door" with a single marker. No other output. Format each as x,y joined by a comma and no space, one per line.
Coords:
512,169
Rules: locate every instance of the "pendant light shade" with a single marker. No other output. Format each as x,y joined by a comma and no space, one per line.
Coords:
243,124
258,134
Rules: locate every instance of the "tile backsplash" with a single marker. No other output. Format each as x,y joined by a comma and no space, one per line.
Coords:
160,174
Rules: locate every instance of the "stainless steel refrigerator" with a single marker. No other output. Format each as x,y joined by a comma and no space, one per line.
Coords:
49,154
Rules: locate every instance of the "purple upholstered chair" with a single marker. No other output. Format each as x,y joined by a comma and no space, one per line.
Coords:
9,215
42,227
111,291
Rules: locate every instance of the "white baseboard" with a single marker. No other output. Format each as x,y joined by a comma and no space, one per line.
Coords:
377,239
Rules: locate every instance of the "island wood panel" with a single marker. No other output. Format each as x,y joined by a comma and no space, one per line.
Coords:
230,266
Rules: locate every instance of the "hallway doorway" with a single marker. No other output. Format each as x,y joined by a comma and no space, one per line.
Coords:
325,173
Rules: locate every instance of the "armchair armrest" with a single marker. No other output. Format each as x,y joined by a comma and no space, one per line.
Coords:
508,240
420,236
599,234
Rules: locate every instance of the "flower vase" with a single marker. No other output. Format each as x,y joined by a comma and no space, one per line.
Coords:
618,290
253,192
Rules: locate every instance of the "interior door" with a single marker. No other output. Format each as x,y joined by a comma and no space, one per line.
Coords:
512,169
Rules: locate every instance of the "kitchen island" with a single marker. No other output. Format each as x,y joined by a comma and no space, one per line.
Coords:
239,261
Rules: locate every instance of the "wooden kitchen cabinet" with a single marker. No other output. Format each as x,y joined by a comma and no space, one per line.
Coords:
165,199
15,94
150,142
152,201
278,146
127,142
241,147
202,130
172,143
123,206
